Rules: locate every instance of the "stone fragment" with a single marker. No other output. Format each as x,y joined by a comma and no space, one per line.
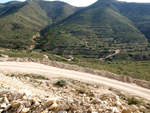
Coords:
49,102
126,111
53,106
91,109
27,103
7,107
20,108
62,111
15,103
96,100
1,110
74,107
19,95
114,110
37,103
6,100
87,99
25,110
3,105
64,107
1,99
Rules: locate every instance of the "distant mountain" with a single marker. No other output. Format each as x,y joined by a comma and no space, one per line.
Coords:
138,13
11,3
20,21
85,30
57,10
102,20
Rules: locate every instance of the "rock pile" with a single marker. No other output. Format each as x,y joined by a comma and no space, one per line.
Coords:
24,101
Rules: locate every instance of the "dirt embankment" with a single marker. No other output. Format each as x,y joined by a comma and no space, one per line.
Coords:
121,78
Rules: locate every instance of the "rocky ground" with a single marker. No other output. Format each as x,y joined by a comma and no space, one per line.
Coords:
37,94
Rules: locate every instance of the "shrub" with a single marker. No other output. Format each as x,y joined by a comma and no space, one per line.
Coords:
132,101
61,83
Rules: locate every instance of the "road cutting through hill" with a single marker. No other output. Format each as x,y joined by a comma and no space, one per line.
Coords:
49,71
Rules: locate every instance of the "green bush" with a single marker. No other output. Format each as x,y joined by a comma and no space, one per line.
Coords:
61,83
132,100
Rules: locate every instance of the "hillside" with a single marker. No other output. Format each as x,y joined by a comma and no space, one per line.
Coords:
138,13
57,10
99,20
96,27
19,22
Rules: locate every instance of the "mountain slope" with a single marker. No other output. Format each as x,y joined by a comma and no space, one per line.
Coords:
101,20
57,10
19,22
138,13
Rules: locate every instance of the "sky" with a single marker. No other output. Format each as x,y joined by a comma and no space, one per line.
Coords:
80,3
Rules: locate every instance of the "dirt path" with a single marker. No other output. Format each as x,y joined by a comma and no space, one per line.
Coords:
14,67
116,52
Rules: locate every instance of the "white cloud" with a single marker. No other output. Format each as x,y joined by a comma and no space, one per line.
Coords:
78,2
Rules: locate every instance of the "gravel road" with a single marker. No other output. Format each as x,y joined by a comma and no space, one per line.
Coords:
29,67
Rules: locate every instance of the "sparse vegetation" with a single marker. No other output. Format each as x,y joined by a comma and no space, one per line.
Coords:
61,83
134,101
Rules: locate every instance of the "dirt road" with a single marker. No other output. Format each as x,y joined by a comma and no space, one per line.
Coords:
14,67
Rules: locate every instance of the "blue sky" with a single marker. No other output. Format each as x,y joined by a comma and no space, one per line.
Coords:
82,2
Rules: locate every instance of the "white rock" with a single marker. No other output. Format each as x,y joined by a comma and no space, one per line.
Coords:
114,110
1,99
105,102
25,110
3,105
7,107
62,111
28,104
16,103
91,109
1,110
96,100
19,95
87,99
53,106
50,102
117,98
20,108
118,103
6,100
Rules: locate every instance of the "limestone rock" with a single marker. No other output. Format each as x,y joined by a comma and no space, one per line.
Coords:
3,105
96,100
7,107
20,108
19,95
6,100
53,106
27,103
126,111
1,99
15,103
1,110
91,109
50,102
62,111
25,110
87,99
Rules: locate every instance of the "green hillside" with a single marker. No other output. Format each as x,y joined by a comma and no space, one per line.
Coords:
97,27
100,21
20,22
138,13
57,10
